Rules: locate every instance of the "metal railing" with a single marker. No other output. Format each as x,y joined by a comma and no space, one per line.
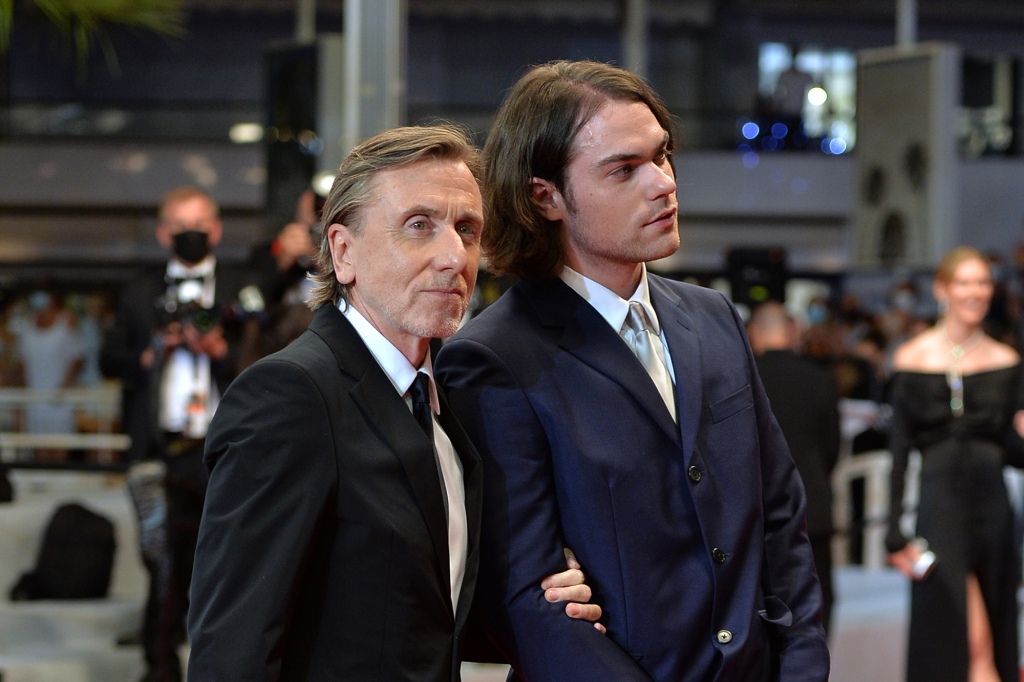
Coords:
102,404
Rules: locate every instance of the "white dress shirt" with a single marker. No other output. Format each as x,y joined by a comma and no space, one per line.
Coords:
188,394
401,373
614,309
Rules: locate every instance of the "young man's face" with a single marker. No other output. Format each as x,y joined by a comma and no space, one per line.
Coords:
619,206
411,263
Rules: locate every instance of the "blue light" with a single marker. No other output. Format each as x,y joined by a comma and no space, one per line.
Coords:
837,145
751,159
770,144
826,145
751,130
744,148
779,130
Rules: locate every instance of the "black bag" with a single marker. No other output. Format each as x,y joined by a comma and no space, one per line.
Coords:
75,560
6,489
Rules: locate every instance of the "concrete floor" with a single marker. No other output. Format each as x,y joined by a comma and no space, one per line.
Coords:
61,642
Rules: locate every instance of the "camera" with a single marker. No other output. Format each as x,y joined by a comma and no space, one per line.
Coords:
183,306
195,315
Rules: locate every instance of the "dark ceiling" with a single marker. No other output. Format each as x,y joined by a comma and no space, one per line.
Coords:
970,11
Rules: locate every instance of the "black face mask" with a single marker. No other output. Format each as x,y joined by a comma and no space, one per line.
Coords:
191,246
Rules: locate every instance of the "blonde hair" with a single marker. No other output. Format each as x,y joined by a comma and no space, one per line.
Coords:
954,258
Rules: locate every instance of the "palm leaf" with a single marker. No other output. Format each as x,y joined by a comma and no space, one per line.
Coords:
84,22
6,17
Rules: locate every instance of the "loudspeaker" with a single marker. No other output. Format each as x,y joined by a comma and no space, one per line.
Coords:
757,275
304,86
908,208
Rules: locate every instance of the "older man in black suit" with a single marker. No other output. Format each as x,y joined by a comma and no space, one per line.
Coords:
340,536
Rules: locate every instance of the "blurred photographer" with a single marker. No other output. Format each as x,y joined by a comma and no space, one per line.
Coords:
170,348
283,266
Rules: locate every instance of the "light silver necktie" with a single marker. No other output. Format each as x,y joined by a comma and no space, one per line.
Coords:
646,346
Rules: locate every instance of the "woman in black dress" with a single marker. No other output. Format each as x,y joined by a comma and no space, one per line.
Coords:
954,394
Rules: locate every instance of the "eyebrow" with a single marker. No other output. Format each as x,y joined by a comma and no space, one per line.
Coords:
631,156
434,213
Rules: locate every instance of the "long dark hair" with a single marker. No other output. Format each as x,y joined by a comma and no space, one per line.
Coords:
533,136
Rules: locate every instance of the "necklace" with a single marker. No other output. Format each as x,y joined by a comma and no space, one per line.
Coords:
955,374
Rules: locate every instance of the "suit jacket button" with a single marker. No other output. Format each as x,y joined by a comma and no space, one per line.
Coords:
719,556
724,636
694,473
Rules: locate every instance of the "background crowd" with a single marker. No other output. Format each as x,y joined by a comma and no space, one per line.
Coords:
50,335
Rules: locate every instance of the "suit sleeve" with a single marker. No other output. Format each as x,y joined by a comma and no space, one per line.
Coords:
789,582
521,538
272,473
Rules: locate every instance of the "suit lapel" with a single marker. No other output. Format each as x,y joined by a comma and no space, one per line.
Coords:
684,347
388,415
588,337
472,477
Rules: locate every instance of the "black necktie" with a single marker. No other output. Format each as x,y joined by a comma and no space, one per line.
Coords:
420,394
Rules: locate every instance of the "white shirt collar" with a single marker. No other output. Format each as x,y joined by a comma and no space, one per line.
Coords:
609,304
178,270
398,368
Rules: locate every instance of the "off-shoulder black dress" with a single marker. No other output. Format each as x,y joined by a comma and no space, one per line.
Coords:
964,513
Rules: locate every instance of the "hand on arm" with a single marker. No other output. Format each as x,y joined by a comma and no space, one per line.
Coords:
522,539
570,586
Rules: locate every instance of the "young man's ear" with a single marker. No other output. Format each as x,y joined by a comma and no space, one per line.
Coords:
547,198
340,239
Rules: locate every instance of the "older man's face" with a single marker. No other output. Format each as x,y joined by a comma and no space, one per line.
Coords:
411,262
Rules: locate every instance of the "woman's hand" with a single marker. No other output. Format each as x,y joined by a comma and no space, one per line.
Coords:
905,559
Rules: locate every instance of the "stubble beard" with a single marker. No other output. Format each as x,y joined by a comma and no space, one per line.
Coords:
626,251
440,325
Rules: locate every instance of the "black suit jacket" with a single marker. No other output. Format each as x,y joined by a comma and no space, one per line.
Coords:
323,551
805,401
137,320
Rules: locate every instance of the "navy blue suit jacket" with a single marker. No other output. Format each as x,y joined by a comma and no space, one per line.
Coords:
691,534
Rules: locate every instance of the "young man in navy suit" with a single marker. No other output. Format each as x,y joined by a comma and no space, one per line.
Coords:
621,414
340,536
